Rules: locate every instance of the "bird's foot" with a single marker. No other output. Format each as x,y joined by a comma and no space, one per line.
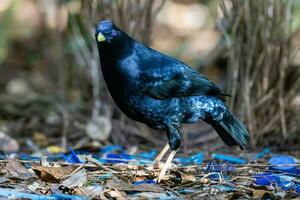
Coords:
166,166
157,163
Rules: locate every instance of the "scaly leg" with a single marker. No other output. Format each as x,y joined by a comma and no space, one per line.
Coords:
174,143
160,156
166,165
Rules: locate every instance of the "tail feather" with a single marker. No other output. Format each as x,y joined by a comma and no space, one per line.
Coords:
231,130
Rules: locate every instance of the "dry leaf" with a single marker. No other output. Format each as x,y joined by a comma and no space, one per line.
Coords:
16,170
258,194
75,180
129,187
187,178
52,174
114,193
90,191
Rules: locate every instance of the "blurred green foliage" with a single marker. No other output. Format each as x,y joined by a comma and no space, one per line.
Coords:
6,29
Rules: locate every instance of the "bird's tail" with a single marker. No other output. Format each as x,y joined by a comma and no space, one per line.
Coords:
231,130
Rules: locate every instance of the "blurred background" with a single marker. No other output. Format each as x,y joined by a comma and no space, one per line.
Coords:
52,93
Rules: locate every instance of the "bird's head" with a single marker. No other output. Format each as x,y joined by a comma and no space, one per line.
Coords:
106,31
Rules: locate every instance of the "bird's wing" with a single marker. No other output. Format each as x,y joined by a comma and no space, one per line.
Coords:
177,82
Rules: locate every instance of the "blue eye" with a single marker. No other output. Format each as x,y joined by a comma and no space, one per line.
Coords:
114,32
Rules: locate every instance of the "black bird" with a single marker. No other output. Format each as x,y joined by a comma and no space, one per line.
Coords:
161,91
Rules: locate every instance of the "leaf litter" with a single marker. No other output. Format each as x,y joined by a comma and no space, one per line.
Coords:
113,173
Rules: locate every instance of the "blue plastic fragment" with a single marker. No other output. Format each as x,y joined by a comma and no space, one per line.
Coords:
219,167
72,157
67,197
14,194
55,157
217,176
194,159
264,178
283,163
283,181
261,154
298,189
183,161
185,191
105,176
229,158
224,188
144,182
147,155
198,158
110,148
116,158
24,156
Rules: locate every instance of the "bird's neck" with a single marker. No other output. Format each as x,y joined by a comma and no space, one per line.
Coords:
115,50
116,72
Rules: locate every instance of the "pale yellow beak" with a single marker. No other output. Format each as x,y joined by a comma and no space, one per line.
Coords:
100,37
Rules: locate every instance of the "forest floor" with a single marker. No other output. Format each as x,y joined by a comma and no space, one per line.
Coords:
114,172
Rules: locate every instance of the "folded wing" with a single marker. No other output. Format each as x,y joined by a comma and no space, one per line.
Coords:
177,82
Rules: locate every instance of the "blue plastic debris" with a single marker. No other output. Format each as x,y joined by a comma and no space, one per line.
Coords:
185,191
218,176
229,158
105,176
146,155
25,156
198,158
286,182
224,188
72,157
14,194
219,167
283,163
194,159
117,158
298,189
261,154
144,182
283,181
183,161
110,148
264,179
67,197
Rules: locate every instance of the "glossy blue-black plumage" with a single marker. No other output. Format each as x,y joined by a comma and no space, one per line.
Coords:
161,91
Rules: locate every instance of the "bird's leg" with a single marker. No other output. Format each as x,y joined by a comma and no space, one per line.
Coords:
160,156
174,143
166,165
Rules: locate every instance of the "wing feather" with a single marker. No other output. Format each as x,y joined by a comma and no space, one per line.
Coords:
168,82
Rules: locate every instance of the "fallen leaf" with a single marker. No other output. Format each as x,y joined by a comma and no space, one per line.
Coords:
154,195
90,191
52,174
114,193
4,180
75,180
34,186
137,188
258,194
16,170
187,178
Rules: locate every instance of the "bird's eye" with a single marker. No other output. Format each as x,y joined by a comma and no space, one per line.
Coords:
114,32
